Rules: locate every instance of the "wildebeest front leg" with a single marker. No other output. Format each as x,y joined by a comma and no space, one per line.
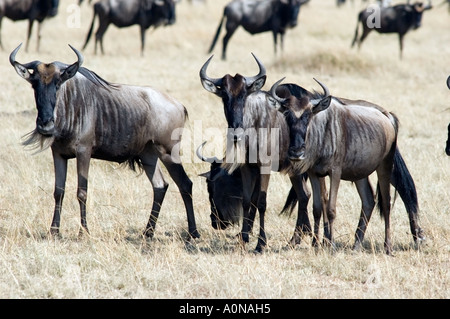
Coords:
83,161
262,204
249,180
303,226
60,168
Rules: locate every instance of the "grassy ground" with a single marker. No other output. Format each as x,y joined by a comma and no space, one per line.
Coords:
114,261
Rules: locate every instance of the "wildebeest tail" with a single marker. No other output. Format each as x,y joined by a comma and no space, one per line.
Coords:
403,182
90,30
217,34
291,201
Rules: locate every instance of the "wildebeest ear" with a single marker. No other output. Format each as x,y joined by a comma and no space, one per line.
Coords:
210,86
448,82
257,84
322,105
22,71
69,72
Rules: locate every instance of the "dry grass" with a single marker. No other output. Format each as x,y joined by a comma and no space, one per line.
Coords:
114,262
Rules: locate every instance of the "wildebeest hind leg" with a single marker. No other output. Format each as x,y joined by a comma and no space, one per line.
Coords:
184,184
365,192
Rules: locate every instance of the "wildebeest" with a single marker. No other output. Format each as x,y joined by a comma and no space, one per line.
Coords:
82,116
125,13
349,140
31,10
254,126
447,147
396,19
225,198
258,16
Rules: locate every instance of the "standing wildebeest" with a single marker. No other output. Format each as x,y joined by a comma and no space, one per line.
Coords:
396,19
258,16
254,126
82,116
349,140
125,13
30,10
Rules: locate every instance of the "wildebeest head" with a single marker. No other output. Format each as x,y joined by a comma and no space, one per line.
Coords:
234,90
290,10
224,190
298,110
46,79
417,10
165,10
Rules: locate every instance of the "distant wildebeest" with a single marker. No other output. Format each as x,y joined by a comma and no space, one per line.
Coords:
82,116
396,19
447,147
255,125
258,16
125,13
349,140
31,10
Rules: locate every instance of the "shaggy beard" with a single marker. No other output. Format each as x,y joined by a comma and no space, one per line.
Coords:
36,141
235,156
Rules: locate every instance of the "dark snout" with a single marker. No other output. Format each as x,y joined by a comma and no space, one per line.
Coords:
217,223
45,127
235,135
296,153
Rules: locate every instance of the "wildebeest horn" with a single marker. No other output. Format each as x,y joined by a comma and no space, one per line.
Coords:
203,76
273,91
79,55
205,159
448,82
262,71
326,92
12,59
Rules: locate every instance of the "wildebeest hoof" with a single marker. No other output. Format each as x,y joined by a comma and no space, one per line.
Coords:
195,234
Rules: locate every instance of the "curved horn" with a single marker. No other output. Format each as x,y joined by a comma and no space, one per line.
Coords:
12,56
205,159
326,92
203,76
79,55
262,71
273,91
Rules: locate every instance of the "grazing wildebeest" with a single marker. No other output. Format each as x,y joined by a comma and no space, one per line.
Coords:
125,13
258,16
31,10
82,116
396,19
349,140
225,194
255,125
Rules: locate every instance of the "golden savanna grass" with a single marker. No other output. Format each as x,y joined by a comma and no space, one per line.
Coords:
115,262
